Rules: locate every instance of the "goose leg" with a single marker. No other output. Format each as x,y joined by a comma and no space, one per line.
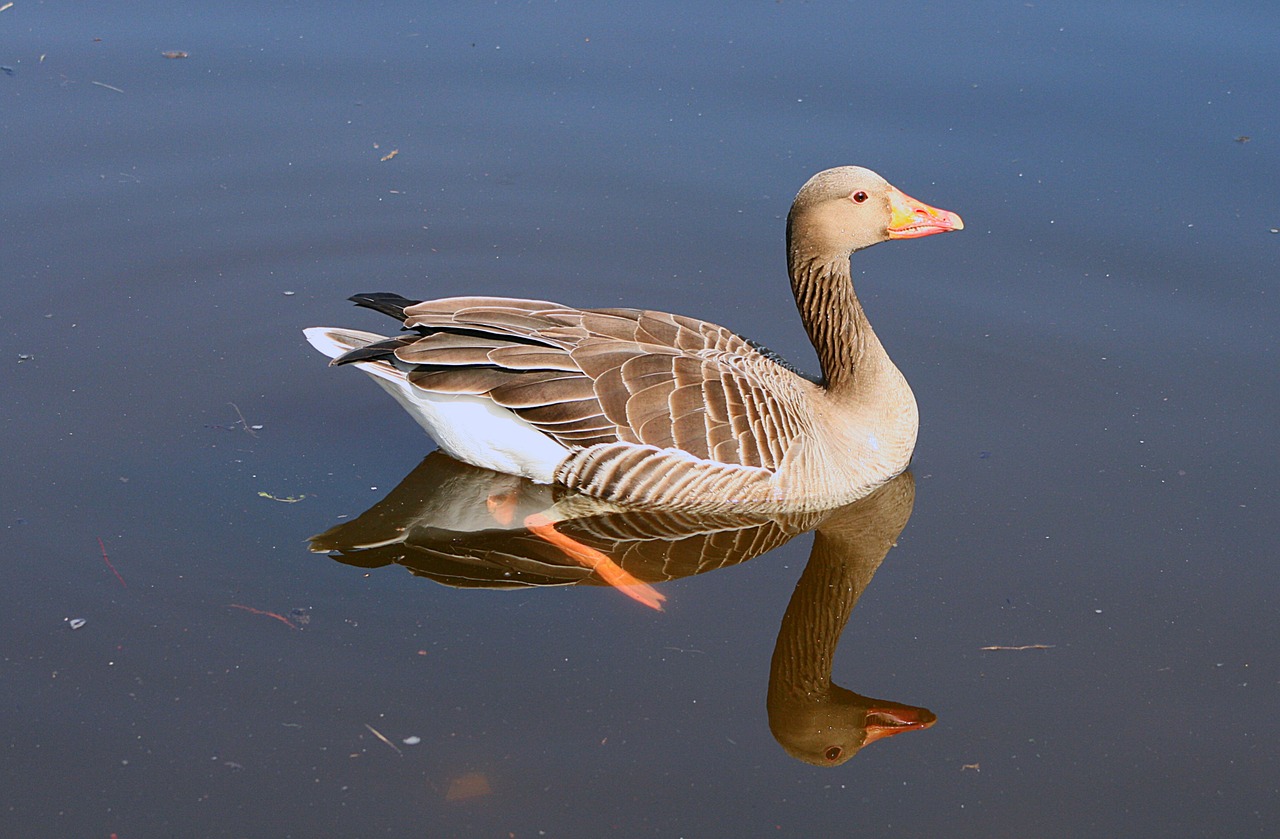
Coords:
544,528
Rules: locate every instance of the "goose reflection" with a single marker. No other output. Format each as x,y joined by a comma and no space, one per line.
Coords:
472,528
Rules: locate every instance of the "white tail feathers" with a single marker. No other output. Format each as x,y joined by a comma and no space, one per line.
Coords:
334,342
470,428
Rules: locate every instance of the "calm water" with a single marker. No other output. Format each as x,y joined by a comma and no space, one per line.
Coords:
1094,357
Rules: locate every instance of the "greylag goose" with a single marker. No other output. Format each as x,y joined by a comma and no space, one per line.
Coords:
644,407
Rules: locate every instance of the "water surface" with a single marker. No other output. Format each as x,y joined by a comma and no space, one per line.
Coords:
1094,358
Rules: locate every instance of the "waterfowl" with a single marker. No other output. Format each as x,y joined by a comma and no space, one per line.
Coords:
644,407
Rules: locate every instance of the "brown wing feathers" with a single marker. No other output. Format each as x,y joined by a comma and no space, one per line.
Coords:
587,377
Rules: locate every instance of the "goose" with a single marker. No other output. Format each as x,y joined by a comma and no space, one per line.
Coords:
640,407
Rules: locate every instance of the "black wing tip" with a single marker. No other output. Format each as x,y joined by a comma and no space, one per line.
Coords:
385,302
378,351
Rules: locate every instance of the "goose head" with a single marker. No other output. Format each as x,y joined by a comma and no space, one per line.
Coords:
841,210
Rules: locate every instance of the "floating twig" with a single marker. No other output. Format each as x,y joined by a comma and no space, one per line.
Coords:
107,559
287,499
251,430
108,86
378,734
252,610
1023,647
388,156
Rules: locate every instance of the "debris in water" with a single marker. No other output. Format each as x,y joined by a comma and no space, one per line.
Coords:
174,54
471,785
378,734
388,155
254,611
1023,647
251,430
412,740
107,560
287,499
75,623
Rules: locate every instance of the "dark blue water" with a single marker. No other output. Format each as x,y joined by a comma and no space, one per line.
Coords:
1094,358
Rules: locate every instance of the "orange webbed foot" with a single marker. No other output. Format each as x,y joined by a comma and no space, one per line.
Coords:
608,570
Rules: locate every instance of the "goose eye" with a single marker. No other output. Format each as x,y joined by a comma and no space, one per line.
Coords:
858,197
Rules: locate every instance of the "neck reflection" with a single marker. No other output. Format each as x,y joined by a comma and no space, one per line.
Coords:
471,528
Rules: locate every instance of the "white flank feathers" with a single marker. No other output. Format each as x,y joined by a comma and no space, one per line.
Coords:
470,428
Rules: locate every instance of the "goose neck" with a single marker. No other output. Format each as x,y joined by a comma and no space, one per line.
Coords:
847,347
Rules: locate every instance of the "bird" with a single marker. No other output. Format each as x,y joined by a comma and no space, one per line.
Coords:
642,407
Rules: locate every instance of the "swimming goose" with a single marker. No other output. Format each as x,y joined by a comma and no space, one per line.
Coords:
644,407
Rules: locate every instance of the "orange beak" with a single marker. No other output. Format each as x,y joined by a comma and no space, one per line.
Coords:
890,718
912,219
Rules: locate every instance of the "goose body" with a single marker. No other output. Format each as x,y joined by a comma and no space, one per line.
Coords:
644,407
